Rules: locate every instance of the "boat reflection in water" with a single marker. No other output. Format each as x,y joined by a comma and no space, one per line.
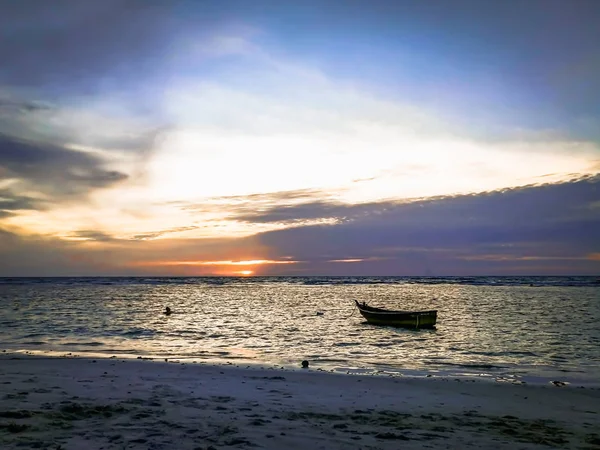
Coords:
405,319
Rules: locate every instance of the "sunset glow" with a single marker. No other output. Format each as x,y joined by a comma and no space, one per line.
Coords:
253,262
340,144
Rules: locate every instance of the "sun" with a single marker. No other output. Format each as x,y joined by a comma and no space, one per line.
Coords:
245,273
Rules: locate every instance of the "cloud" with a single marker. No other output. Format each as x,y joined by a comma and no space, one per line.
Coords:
161,233
76,42
273,197
118,56
96,254
55,173
10,201
9,106
509,206
251,208
40,257
525,225
252,262
306,211
91,235
548,229
144,104
322,132
100,124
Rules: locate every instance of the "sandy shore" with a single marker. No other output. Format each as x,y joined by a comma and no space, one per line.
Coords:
77,403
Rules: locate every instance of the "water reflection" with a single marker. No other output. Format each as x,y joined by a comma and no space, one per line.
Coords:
489,330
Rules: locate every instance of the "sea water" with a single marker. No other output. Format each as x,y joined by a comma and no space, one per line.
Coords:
517,329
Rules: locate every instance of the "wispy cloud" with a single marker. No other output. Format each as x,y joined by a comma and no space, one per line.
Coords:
252,262
518,258
157,234
349,260
90,235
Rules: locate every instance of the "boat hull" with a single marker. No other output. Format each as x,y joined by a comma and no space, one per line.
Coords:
404,319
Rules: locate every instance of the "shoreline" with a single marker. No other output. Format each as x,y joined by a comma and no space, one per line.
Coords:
79,402
479,372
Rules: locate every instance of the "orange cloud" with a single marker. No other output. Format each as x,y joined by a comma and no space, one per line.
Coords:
251,262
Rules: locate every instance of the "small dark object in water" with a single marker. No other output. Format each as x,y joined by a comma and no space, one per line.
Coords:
305,364
319,313
168,311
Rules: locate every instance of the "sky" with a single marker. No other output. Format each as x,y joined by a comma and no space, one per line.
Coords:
237,138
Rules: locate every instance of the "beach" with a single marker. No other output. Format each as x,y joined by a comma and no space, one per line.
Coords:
84,403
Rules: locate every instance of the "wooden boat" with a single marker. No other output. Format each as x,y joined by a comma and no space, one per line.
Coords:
407,319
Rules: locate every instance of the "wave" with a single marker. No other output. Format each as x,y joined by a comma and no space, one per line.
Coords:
504,353
82,344
529,281
481,366
139,332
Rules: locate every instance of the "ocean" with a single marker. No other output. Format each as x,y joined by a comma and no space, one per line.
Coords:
512,329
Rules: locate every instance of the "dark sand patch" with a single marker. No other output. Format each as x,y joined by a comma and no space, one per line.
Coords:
438,426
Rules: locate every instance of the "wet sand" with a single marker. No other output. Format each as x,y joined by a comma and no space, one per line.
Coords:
81,403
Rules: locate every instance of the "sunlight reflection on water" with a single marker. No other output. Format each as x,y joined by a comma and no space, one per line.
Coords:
483,330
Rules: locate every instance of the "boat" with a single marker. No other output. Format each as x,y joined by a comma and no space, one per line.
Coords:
406,319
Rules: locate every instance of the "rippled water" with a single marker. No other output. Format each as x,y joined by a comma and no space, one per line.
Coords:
507,328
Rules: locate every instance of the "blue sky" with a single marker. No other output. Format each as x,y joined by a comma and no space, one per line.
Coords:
185,137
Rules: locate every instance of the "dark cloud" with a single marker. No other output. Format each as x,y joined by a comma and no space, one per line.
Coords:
111,59
551,222
12,106
56,171
307,211
509,206
72,42
74,50
9,201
